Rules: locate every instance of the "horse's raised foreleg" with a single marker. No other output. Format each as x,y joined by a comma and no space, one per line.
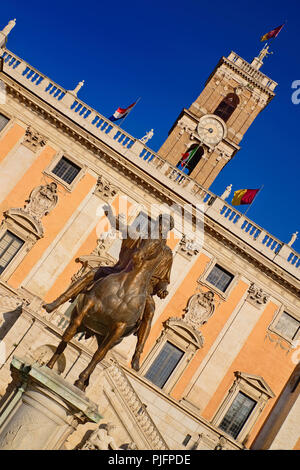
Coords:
71,331
109,341
143,332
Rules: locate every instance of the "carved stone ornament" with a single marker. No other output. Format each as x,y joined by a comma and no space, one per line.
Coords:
105,189
199,309
101,438
256,296
33,139
42,200
188,247
126,391
9,303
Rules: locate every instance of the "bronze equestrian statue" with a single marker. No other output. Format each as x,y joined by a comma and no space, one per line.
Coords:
117,301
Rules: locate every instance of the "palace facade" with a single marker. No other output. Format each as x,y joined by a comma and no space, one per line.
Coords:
219,369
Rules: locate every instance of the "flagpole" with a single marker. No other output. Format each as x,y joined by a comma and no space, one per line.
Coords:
192,156
254,199
122,120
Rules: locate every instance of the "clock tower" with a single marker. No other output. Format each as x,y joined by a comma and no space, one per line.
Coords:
206,136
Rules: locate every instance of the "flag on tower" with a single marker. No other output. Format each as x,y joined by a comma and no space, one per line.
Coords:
187,156
121,112
244,196
272,34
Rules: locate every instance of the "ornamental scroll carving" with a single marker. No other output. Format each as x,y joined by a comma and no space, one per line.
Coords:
256,296
199,309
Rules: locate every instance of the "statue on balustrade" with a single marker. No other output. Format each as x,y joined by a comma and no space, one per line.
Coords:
116,301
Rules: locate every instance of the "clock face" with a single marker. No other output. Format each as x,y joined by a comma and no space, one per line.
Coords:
210,130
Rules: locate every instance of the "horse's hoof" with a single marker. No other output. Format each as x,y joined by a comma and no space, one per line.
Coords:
49,307
135,364
80,385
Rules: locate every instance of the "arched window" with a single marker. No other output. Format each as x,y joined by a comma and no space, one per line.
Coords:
190,159
227,106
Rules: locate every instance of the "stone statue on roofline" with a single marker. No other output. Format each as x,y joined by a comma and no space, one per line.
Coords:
293,238
147,137
226,193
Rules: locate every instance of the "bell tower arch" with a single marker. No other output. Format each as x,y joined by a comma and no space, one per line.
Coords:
233,96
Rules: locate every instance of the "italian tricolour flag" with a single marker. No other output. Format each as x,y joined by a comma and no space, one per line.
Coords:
187,156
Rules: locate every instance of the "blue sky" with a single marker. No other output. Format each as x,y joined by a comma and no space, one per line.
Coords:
163,52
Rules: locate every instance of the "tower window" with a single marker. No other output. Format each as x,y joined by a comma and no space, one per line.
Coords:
164,364
3,121
190,159
237,414
10,244
220,278
66,170
227,106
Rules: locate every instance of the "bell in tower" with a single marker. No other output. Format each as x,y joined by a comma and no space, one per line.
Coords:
206,136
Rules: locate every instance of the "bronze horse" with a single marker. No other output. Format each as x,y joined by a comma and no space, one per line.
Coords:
113,307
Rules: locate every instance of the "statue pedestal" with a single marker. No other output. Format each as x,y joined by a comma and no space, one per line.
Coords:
43,409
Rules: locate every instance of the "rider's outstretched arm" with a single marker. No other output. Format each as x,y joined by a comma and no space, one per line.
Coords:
115,221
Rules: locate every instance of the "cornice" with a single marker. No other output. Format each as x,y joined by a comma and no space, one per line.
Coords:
243,74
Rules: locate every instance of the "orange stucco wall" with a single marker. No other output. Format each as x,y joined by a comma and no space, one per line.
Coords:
10,139
260,357
210,331
52,223
297,446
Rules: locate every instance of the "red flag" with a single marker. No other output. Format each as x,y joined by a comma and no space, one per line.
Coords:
272,34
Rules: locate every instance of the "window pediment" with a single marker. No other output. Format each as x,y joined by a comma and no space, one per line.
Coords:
257,382
26,221
186,331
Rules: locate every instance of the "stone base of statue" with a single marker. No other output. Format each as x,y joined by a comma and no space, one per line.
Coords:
42,409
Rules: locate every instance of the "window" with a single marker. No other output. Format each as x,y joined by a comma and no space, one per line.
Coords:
237,415
66,170
164,364
220,278
288,326
3,121
227,106
243,404
172,353
190,159
9,246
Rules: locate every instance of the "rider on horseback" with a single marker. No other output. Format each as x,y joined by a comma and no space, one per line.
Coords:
159,280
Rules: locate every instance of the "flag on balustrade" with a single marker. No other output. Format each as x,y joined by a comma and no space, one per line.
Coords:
121,112
244,196
272,34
